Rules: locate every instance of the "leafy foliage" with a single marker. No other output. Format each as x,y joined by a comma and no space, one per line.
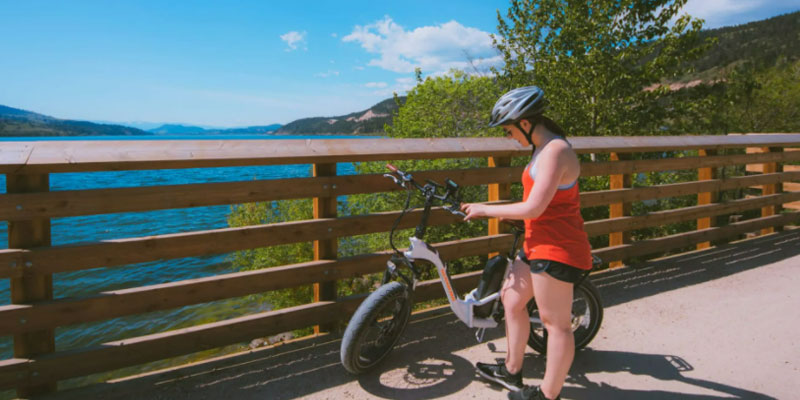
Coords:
252,259
594,58
747,98
454,105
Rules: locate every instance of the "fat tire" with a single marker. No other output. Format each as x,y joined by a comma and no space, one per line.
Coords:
366,317
583,334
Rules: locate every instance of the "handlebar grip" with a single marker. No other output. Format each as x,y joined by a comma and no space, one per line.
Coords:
391,167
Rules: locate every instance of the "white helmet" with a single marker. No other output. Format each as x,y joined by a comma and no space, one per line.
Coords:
518,104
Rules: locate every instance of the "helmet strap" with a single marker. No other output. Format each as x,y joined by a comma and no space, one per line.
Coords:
527,134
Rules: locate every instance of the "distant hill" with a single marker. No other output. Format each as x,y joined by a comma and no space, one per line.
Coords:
763,43
368,121
175,129
16,122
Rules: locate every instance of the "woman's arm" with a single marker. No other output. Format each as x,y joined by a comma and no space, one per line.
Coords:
551,167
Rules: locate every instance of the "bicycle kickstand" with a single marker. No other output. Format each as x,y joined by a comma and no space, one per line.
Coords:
479,334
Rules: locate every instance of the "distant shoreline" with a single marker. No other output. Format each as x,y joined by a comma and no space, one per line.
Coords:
192,137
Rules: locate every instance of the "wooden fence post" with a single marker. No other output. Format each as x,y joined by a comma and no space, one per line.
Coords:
325,207
704,174
498,191
617,210
791,186
29,286
771,168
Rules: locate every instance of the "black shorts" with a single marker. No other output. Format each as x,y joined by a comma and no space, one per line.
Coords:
560,271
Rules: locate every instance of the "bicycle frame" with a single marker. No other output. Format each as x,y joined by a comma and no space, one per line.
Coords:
419,250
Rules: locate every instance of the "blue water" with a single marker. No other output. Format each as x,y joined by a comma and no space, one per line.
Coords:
134,224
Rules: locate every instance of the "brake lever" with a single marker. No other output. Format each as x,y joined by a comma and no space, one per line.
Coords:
396,181
455,211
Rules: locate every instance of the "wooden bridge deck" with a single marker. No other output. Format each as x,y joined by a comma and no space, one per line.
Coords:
713,324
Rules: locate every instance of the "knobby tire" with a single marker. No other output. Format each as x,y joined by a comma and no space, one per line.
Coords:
375,328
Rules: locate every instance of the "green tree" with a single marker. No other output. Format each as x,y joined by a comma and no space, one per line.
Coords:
594,59
746,98
764,99
453,105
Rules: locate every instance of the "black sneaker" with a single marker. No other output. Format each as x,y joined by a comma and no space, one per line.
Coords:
529,393
499,374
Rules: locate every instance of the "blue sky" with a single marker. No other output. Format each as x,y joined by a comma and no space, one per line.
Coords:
240,63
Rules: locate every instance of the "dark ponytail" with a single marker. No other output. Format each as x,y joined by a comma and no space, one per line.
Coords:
551,125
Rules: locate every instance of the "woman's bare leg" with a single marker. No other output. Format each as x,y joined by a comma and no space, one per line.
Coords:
516,292
554,299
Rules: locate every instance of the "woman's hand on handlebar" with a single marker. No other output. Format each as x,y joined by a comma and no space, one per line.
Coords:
474,210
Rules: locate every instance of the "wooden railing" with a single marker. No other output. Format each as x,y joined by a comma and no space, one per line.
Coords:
30,260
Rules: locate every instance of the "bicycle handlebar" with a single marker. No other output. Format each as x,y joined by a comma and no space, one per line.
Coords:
450,196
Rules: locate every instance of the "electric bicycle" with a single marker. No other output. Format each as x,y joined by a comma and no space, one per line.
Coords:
380,320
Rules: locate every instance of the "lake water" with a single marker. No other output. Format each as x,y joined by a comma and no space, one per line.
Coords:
134,224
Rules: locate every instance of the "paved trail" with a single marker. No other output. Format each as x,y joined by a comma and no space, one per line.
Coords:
718,324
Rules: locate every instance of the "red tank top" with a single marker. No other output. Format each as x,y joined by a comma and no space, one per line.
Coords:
558,233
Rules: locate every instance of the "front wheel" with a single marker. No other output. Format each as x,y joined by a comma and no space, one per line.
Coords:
587,315
375,327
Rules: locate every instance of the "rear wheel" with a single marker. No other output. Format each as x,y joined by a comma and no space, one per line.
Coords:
375,327
587,315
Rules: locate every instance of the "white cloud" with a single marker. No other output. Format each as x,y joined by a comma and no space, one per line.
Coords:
334,35
327,74
434,49
293,39
401,86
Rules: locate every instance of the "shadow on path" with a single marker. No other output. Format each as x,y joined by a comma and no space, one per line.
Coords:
656,367
422,366
653,277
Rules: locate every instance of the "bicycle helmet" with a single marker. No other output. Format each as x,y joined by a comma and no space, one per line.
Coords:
516,105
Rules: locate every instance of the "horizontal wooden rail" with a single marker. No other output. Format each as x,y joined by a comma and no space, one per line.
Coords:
102,201
659,245
139,350
17,318
676,164
658,218
80,156
133,250
604,197
200,243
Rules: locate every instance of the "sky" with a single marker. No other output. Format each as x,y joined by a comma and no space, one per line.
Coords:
243,63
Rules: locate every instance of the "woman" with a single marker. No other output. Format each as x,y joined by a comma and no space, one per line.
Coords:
556,250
